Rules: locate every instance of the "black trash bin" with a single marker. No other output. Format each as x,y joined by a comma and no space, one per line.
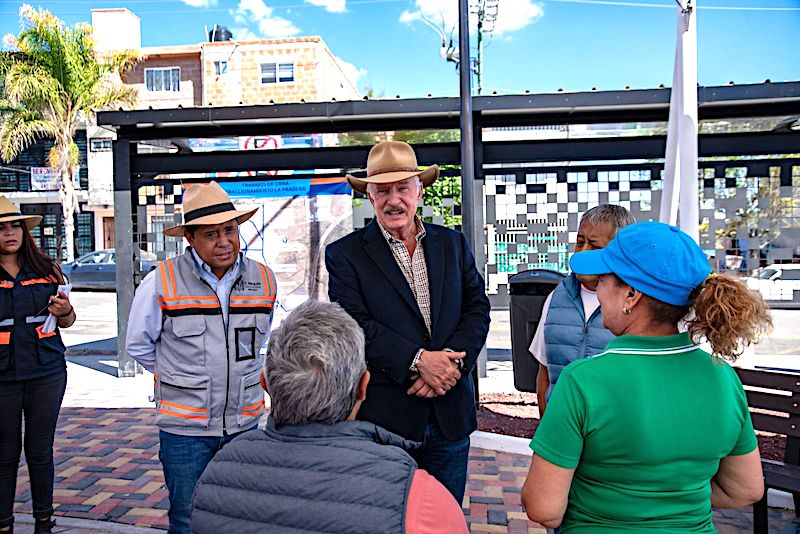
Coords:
528,290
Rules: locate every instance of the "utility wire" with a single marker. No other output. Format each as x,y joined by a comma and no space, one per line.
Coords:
671,6
615,3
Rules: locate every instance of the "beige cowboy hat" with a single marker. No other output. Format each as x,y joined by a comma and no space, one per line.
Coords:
207,204
392,161
10,212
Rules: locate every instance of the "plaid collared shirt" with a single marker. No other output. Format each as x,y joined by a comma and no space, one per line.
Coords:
414,269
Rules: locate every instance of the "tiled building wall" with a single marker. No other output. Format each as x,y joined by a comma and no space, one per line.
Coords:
242,82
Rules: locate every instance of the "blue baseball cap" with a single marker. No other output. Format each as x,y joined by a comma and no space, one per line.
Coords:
655,258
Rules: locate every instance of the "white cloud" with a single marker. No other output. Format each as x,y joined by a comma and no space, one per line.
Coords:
515,15
332,6
407,16
244,34
351,71
200,3
256,12
512,15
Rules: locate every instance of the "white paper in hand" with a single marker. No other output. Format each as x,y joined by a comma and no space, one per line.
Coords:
50,323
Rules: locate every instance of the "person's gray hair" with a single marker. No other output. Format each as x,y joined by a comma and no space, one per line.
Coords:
314,361
617,216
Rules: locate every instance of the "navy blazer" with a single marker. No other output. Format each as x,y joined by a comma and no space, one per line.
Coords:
367,282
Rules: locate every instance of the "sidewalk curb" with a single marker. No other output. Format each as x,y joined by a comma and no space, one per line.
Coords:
515,445
500,443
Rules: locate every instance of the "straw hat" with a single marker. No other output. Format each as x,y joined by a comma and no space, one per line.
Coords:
10,212
207,204
392,161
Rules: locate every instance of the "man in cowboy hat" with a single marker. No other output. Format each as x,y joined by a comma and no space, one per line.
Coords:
414,289
198,323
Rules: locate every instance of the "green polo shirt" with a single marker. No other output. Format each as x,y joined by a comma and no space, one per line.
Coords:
644,424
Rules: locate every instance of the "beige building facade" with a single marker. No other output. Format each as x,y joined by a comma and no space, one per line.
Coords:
222,73
274,70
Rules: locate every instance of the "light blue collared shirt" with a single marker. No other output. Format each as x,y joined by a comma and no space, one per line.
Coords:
145,319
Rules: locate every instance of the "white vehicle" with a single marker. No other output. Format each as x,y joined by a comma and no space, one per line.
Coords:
779,284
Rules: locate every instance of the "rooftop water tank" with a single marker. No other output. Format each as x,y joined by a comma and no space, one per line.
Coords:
219,33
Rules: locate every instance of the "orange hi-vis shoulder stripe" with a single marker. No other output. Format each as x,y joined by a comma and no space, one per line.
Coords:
172,277
49,280
162,270
6,284
269,286
174,304
168,278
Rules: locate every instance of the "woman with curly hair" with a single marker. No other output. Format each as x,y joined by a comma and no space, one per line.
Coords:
33,373
653,432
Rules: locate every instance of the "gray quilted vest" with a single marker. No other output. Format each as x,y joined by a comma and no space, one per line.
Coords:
567,334
352,477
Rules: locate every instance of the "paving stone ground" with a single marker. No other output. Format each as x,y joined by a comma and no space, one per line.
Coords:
107,470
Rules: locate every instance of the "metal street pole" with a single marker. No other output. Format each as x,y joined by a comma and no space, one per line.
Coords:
467,137
468,160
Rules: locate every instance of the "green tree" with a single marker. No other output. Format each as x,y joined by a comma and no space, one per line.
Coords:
52,81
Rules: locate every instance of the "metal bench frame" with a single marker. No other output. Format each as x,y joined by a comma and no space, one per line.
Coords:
778,394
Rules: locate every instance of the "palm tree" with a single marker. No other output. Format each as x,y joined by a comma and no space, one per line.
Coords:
50,82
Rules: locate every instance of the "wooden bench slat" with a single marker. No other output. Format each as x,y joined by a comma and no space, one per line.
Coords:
778,425
769,379
781,476
774,402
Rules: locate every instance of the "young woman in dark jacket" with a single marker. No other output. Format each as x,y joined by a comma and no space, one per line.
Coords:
33,372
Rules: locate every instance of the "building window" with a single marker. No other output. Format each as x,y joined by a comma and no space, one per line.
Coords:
277,72
163,79
220,67
100,145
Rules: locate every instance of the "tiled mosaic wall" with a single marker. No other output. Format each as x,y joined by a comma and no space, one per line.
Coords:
750,213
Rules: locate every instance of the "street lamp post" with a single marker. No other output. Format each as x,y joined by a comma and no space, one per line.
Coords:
468,219
467,137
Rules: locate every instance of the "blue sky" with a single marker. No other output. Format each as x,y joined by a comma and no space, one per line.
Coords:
539,46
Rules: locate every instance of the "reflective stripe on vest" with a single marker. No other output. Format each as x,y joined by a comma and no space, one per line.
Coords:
254,409
5,338
181,410
49,280
175,305
251,304
30,320
7,322
168,278
6,284
190,305
42,334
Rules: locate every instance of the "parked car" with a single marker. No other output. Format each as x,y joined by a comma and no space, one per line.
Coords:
98,270
779,284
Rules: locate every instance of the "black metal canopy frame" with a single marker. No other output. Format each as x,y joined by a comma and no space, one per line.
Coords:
133,168
648,105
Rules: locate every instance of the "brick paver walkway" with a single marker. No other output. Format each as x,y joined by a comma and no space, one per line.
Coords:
107,469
